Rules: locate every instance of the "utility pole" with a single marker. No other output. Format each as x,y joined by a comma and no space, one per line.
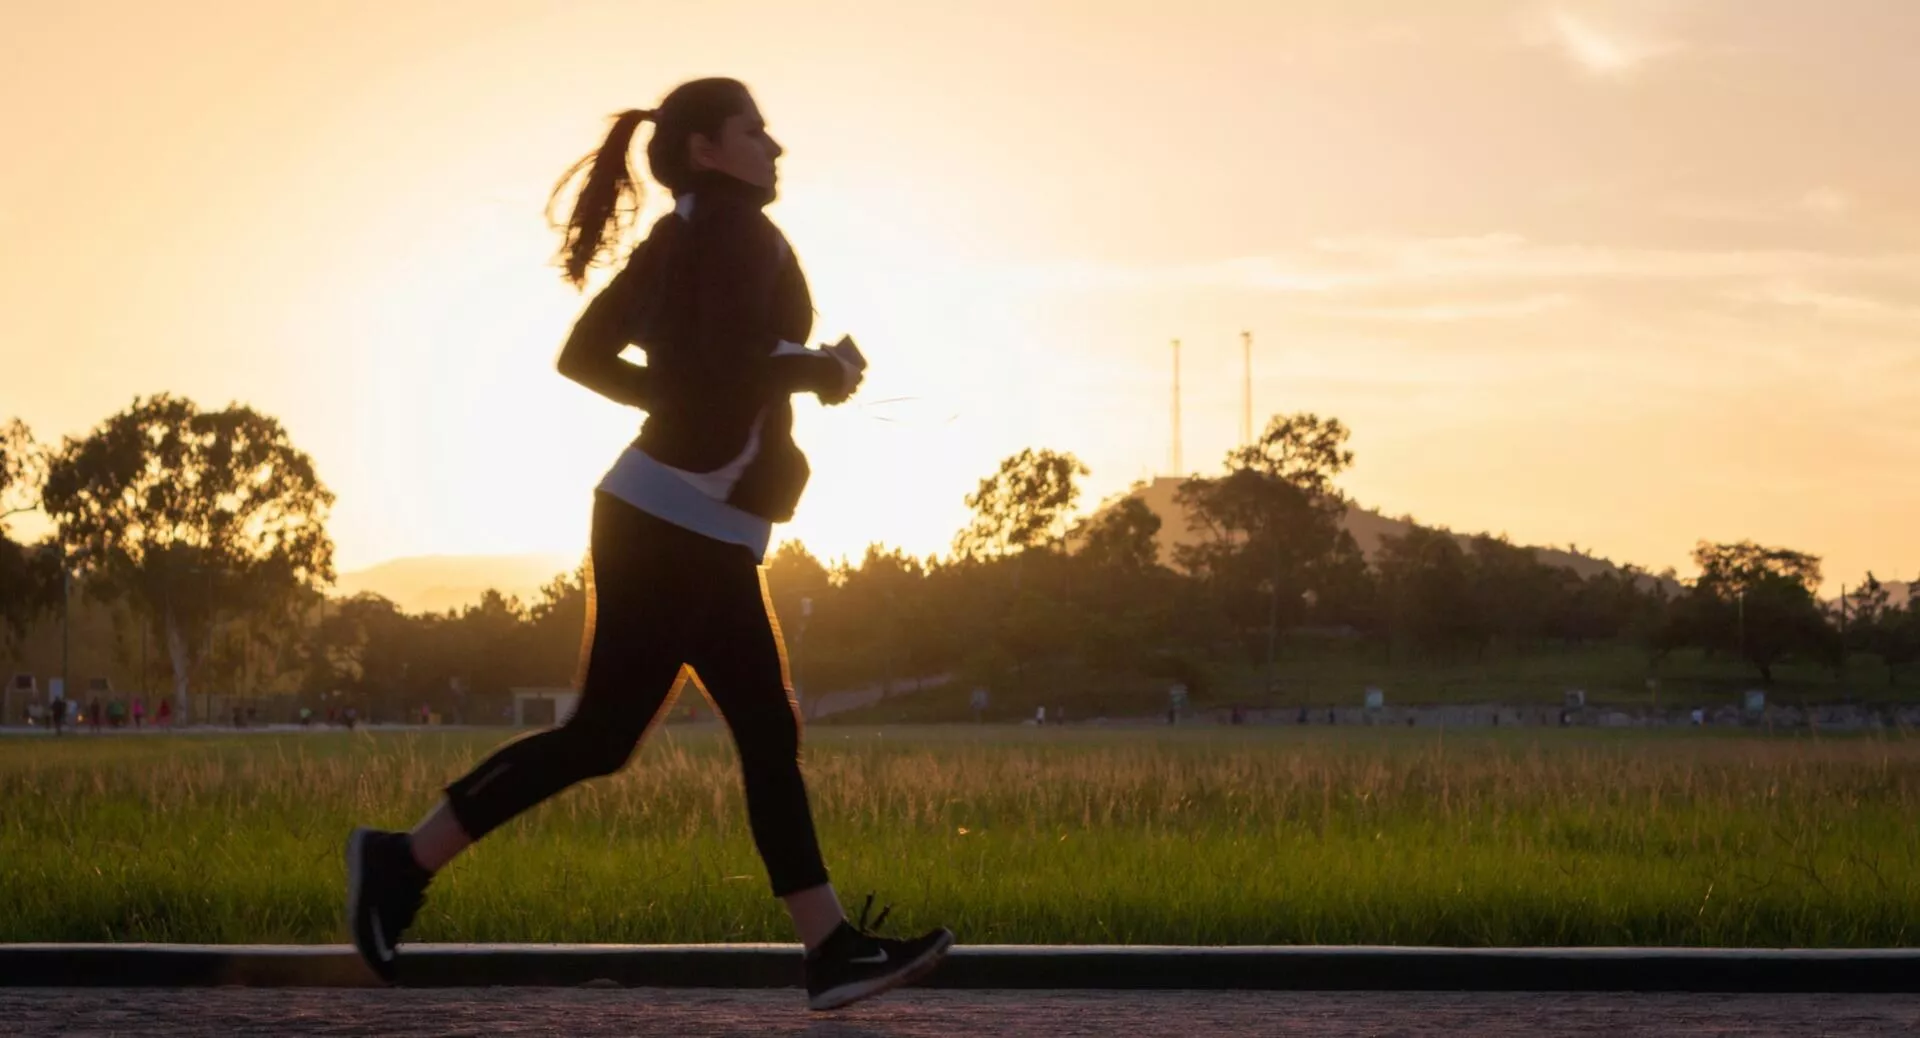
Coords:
1273,619
1743,624
1178,471
1843,636
66,626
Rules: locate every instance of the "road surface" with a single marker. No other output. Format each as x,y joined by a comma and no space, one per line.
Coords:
510,1012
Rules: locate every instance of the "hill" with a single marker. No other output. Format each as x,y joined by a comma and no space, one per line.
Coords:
437,583
1367,526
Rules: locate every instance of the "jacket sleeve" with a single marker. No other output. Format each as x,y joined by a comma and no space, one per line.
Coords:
735,265
591,355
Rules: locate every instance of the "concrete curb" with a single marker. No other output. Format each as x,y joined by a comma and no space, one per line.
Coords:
1303,968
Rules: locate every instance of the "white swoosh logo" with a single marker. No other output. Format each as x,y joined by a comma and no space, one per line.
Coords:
878,958
380,940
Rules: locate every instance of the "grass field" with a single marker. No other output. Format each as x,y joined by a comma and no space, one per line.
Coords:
1008,835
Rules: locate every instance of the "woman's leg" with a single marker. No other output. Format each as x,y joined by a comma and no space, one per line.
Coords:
638,616
742,664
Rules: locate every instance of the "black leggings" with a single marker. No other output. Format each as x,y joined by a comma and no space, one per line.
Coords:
659,596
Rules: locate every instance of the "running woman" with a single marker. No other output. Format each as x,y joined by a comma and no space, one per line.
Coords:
681,523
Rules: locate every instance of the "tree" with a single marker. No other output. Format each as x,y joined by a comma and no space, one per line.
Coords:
1265,544
194,515
1304,450
557,620
1874,626
795,577
879,615
1733,568
23,471
491,655
1122,538
29,574
1272,524
1426,589
1755,601
1023,505
1514,596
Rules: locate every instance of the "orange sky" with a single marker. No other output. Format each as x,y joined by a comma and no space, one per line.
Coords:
1621,274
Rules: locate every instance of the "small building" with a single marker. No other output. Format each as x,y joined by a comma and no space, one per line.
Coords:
543,707
23,691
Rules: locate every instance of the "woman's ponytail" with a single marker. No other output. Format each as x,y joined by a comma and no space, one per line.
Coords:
605,206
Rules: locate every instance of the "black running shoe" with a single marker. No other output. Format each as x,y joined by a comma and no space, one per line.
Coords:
853,963
385,887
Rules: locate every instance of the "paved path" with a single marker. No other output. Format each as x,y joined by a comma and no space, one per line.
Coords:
509,1012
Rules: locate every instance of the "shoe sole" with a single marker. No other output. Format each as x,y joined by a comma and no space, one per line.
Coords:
848,994
356,854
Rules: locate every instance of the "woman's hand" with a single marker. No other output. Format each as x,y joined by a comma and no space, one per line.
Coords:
853,367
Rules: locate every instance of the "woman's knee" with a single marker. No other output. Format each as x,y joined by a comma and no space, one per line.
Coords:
768,735
595,748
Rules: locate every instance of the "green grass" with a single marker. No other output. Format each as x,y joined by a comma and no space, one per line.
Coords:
1009,835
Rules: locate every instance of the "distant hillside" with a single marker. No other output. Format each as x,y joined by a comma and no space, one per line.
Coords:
437,583
1899,593
1367,527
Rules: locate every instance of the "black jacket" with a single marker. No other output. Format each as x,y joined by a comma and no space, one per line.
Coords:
709,298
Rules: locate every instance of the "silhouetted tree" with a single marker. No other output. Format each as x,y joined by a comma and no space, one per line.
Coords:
1303,450
29,574
1874,626
194,515
1023,505
1426,590
1757,602
1122,538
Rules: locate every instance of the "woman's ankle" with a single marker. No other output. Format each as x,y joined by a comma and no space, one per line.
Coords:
438,839
816,914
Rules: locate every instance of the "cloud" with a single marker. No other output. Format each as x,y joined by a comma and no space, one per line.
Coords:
1446,312
1506,256
1604,53
1332,266
1827,201
1829,304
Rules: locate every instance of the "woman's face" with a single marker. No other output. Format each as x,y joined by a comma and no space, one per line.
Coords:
744,151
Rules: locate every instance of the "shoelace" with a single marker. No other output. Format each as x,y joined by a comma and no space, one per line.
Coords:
863,926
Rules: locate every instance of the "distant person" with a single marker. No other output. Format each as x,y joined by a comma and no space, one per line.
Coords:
57,712
681,522
139,712
164,716
94,715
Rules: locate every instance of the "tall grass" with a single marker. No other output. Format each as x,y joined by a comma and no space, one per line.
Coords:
1008,835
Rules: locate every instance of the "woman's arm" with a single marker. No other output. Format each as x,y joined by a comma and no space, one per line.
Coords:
591,355
735,269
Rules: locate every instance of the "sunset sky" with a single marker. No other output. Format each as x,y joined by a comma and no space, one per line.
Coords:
1623,274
